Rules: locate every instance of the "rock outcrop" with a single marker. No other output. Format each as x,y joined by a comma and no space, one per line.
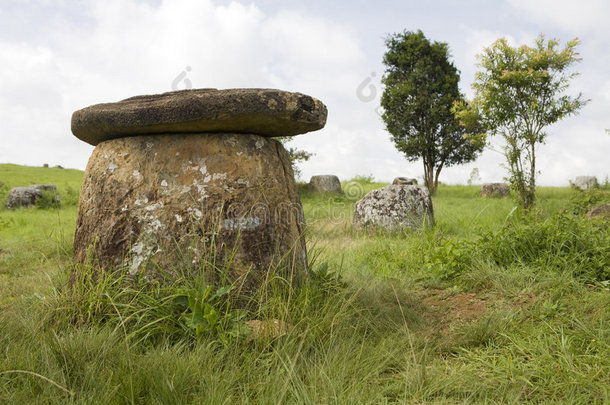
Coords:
27,196
395,208
178,202
495,190
585,182
325,183
404,181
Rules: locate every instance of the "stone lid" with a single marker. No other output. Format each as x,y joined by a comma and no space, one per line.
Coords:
265,112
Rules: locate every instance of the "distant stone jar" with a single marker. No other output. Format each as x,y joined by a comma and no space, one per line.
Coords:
325,183
495,190
185,178
27,196
585,182
395,208
405,181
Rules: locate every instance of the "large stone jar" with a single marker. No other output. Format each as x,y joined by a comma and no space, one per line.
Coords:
181,197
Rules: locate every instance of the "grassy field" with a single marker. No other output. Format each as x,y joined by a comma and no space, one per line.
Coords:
489,306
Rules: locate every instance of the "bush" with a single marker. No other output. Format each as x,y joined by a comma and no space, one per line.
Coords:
448,258
363,179
562,243
48,200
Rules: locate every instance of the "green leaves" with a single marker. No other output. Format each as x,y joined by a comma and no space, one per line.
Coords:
207,312
518,94
421,86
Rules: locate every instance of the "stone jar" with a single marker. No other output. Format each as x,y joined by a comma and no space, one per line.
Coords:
167,203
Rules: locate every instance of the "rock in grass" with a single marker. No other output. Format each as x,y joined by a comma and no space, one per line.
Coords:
26,196
601,211
264,112
495,190
325,183
171,203
585,182
405,181
395,208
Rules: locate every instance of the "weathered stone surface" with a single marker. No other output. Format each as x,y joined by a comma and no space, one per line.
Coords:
601,211
168,200
585,182
495,190
264,112
395,208
405,181
26,196
325,183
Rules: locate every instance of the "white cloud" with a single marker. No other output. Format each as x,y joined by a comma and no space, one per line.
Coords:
577,16
57,57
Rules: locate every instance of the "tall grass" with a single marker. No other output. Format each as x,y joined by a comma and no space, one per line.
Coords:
489,306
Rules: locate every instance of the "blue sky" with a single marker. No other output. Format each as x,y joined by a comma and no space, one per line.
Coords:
59,56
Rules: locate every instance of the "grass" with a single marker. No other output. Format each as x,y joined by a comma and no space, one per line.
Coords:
488,306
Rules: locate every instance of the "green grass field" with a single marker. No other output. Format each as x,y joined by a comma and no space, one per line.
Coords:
489,306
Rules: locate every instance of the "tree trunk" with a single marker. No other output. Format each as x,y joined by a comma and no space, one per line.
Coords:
429,176
531,186
438,172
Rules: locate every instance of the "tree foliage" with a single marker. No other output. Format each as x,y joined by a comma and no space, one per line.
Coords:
296,155
519,92
421,87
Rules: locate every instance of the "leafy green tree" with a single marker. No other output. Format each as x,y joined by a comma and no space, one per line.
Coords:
519,92
421,86
296,155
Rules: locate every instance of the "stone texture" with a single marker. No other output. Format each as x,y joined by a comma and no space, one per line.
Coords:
585,182
26,196
495,190
170,200
404,181
325,183
264,112
395,208
601,211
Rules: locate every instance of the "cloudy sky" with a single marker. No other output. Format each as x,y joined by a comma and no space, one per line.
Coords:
57,56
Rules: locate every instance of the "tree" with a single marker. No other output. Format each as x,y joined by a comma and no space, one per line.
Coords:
295,155
421,86
519,92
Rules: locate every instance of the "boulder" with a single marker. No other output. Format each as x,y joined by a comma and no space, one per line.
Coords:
26,196
405,181
585,182
181,201
325,183
395,208
495,190
601,211
264,112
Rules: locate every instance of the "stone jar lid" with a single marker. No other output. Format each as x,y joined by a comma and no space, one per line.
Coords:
265,112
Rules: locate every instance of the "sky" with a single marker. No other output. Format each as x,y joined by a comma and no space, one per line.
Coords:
58,56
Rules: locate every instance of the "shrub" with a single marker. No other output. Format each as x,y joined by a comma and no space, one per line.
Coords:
448,258
48,200
363,179
561,243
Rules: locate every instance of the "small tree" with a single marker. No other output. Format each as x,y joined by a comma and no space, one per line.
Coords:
296,155
421,86
519,91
